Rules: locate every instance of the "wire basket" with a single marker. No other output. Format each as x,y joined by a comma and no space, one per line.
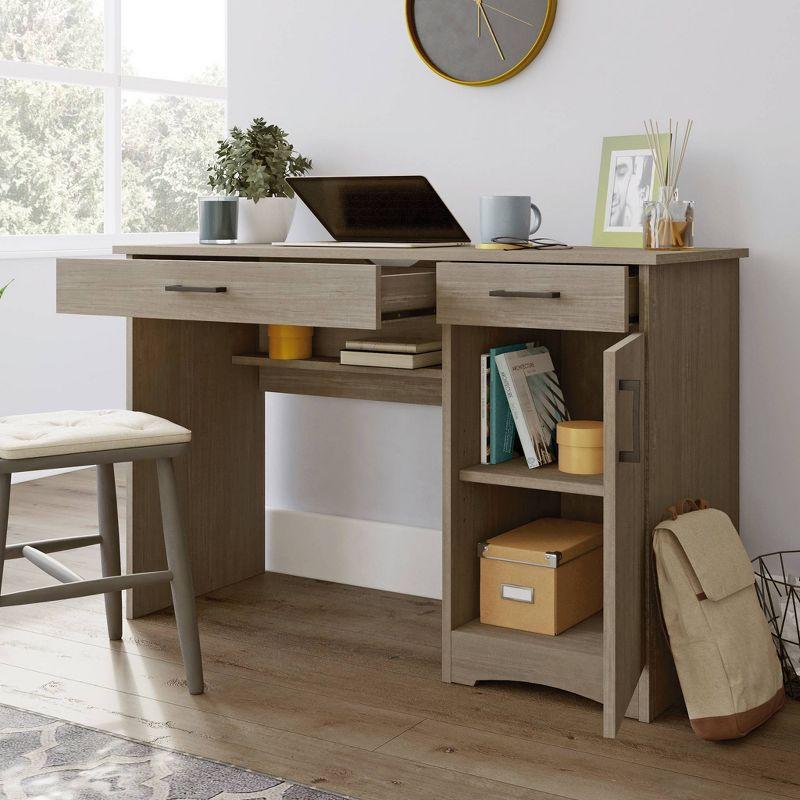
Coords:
778,588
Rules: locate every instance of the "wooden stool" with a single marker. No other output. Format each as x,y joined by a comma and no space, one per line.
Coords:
103,438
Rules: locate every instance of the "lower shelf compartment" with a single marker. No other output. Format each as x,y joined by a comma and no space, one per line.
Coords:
572,661
326,377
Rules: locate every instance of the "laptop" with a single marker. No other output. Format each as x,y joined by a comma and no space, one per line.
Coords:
375,211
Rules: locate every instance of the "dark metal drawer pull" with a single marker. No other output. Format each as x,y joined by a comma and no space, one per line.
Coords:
177,287
507,293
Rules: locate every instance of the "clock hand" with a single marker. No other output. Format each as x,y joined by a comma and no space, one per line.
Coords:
505,13
478,8
491,29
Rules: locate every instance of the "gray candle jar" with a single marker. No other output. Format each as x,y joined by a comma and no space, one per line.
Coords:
218,219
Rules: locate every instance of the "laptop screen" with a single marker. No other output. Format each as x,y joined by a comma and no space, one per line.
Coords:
379,209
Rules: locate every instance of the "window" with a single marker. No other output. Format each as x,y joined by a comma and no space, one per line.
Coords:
110,111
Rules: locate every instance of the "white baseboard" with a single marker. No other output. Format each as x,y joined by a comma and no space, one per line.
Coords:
378,555
360,552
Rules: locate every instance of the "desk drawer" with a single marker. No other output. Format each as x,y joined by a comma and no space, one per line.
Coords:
573,297
319,294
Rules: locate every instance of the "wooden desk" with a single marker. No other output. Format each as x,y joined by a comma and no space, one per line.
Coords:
657,326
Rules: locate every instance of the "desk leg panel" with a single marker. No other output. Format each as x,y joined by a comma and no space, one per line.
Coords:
182,371
690,313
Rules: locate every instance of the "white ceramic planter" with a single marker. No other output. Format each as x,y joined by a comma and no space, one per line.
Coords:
266,221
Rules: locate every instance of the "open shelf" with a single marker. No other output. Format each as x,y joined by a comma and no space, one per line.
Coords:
325,364
548,478
572,661
326,377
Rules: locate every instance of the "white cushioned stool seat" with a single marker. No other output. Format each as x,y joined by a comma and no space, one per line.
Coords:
59,433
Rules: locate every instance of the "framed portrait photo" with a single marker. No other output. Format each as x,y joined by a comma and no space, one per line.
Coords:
628,179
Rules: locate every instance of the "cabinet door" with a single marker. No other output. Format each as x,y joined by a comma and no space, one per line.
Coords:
623,526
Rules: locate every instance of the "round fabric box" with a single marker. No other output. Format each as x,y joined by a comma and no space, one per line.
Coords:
580,447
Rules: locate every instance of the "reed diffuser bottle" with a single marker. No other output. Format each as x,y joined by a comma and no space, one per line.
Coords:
668,221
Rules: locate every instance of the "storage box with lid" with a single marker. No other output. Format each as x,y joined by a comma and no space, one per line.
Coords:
543,577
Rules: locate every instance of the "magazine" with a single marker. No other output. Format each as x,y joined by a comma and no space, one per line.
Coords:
535,398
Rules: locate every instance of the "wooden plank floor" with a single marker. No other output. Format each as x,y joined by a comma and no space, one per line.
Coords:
338,687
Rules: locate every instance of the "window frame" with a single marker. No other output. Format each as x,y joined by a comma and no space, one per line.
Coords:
113,83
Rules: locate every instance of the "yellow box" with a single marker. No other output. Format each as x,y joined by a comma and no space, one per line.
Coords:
580,446
290,342
542,577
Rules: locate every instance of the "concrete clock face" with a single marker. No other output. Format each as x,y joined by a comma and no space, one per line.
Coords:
479,42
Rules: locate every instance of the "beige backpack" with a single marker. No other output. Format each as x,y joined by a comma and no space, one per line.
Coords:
727,665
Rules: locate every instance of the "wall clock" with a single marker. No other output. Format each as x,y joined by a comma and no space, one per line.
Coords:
479,42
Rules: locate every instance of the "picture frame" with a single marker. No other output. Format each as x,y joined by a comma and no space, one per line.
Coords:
628,179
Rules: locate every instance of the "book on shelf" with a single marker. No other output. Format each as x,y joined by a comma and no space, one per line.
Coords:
409,344
362,358
535,399
485,410
502,430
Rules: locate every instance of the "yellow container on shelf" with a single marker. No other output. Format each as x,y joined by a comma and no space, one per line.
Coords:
289,342
580,446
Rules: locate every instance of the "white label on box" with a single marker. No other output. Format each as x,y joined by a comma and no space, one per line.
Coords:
522,594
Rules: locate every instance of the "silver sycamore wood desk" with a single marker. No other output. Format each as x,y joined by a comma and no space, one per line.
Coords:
646,340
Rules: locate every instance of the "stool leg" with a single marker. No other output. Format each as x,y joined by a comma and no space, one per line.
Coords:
109,544
181,585
5,499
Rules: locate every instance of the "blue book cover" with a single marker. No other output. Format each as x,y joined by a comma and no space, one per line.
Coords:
502,430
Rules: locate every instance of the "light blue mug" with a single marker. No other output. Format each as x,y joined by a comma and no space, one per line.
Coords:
508,217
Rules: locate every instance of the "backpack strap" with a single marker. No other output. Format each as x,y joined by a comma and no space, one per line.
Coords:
657,592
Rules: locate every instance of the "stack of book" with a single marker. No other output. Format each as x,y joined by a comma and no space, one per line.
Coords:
521,398
400,353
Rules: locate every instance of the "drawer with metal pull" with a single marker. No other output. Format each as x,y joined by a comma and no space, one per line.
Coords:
325,295
579,297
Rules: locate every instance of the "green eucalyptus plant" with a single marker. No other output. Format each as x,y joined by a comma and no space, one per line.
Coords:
3,288
255,163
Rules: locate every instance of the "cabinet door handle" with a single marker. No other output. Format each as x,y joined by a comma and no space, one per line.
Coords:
633,456
177,287
509,293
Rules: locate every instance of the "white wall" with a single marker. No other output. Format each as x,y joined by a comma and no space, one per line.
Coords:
345,81
50,361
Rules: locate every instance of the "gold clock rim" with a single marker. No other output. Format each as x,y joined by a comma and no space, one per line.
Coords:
504,76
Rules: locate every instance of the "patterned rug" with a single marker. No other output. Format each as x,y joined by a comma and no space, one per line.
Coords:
42,758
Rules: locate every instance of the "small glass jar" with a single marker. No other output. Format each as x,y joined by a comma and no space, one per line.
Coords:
668,221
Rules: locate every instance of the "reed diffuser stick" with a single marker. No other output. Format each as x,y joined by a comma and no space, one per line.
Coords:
673,137
668,167
654,144
658,140
668,162
683,149
669,151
